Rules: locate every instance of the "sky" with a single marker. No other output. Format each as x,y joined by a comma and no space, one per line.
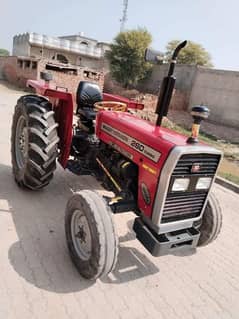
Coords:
212,23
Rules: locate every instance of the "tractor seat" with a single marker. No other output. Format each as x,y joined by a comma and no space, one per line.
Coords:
87,95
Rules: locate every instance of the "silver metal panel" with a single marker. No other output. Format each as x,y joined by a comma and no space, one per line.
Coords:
163,185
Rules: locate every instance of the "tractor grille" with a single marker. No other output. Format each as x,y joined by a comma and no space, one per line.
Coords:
189,204
207,162
181,206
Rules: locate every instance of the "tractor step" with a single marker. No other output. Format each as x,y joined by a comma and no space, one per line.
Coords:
164,244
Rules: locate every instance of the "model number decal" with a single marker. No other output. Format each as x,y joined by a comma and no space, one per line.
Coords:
135,144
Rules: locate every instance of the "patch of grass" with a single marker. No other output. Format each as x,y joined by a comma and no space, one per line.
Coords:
230,151
229,177
228,169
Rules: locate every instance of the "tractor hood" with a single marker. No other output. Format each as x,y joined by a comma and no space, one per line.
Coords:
158,138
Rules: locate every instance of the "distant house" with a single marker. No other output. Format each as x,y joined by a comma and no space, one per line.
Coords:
70,59
73,49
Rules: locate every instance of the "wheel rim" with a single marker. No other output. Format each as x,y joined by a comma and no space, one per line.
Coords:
81,235
21,142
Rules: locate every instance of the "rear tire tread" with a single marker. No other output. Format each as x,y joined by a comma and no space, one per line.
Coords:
42,142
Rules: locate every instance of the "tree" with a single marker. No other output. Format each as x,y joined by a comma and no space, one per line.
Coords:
193,53
126,57
4,52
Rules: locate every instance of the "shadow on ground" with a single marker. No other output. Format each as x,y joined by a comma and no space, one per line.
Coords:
41,256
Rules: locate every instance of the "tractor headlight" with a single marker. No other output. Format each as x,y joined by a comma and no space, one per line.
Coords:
180,184
203,183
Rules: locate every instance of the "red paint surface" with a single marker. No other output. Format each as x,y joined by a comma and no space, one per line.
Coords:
158,138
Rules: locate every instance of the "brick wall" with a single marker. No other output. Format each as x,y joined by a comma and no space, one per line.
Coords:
16,70
71,82
7,63
70,79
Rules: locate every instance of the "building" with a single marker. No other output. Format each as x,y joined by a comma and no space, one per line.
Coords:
70,59
74,49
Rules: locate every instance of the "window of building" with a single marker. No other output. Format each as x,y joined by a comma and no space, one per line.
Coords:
61,58
95,76
84,43
91,75
20,63
27,64
34,65
86,74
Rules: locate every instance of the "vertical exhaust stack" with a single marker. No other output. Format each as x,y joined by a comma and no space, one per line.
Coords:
168,83
167,87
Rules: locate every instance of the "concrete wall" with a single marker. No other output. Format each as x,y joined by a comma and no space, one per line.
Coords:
46,53
74,59
21,45
80,39
219,90
184,82
184,75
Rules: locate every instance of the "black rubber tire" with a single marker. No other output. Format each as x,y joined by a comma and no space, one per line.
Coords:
211,223
104,241
42,140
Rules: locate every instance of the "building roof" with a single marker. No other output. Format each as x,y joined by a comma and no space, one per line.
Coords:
77,36
59,43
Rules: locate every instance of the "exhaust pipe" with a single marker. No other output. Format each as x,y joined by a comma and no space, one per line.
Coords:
167,86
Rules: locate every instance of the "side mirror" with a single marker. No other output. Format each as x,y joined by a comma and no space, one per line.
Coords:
153,56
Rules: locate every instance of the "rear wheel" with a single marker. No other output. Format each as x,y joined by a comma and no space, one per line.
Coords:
33,142
211,223
90,234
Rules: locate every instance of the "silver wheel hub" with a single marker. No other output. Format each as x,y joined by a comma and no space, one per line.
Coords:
21,142
81,235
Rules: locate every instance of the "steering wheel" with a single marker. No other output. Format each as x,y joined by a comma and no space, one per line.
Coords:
111,106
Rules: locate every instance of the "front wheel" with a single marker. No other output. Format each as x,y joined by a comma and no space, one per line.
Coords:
211,222
90,234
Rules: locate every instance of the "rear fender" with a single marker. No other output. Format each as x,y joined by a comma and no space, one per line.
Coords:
62,102
64,116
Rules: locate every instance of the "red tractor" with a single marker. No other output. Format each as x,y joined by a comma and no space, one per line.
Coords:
163,177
